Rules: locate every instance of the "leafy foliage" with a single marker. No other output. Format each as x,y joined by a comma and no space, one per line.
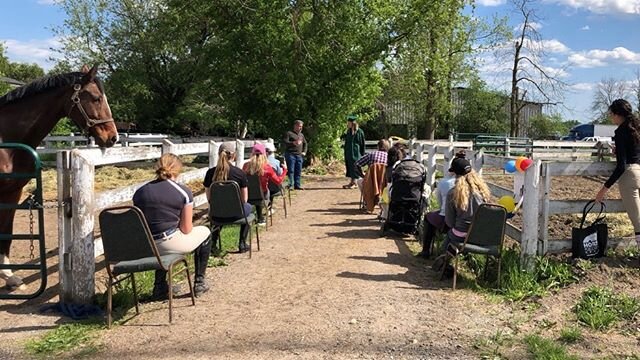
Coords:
549,126
482,110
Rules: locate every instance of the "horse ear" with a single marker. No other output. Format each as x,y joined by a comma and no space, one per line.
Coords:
84,69
89,74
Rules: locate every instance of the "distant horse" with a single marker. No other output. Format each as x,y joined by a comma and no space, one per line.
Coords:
28,114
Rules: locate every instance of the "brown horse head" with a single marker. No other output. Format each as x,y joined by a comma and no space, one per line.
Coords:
90,109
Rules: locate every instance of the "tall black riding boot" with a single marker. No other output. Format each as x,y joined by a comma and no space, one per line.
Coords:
160,286
201,259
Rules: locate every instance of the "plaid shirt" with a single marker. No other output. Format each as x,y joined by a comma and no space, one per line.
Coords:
376,157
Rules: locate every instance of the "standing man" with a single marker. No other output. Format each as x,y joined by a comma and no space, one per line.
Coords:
295,149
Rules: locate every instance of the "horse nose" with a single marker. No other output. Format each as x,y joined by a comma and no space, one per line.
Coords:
114,139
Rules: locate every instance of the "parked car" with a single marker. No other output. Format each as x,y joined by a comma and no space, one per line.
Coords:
598,139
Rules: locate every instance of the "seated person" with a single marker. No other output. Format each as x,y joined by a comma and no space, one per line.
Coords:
468,193
274,189
226,171
258,165
168,208
377,157
434,220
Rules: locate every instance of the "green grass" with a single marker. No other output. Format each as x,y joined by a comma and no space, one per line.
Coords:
570,335
517,284
77,337
545,349
600,308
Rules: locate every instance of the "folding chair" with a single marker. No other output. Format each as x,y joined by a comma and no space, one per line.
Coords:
129,248
225,208
256,196
485,237
280,193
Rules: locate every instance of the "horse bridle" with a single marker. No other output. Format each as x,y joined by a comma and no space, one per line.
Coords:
89,122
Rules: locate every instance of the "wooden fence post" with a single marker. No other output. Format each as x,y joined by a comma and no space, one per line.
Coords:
543,216
478,161
214,148
431,165
77,281
507,147
239,153
63,169
166,146
529,242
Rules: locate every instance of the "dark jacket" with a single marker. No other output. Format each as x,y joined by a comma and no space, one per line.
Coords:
627,152
292,148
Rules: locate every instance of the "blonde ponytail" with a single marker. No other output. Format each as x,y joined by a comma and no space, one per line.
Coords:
223,166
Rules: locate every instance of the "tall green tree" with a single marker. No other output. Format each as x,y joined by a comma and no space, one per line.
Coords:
480,110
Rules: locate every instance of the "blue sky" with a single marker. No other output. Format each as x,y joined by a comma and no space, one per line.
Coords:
585,40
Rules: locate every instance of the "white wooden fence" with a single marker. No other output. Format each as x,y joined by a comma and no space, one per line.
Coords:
78,204
534,234
52,144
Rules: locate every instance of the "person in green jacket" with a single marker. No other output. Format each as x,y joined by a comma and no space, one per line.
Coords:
353,150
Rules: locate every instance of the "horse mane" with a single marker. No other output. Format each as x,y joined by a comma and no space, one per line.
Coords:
44,84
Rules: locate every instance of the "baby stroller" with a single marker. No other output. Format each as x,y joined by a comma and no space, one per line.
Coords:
406,197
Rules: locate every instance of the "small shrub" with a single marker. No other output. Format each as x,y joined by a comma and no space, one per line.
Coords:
600,308
570,335
545,349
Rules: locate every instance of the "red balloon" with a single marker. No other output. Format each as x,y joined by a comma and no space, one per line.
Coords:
525,164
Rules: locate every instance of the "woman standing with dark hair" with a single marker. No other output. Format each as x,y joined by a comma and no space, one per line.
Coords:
353,150
627,140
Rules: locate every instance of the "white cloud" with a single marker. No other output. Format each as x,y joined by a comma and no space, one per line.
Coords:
491,2
32,51
47,2
585,28
549,46
583,86
603,6
597,57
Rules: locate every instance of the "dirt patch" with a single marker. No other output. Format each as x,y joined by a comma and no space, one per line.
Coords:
326,286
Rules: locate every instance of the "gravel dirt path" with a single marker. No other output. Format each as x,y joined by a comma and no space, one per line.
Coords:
325,285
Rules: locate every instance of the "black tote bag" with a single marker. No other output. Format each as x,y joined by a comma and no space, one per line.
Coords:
590,241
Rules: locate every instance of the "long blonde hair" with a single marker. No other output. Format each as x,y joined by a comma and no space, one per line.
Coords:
255,165
168,166
466,186
223,166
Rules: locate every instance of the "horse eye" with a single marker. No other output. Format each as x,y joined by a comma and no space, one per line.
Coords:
96,98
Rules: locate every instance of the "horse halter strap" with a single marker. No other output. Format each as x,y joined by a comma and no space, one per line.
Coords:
89,122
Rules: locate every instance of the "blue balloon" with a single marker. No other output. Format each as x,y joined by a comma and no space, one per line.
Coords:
510,166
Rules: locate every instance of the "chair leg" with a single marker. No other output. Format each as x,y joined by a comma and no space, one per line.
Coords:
499,265
486,266
270,215
284,205
170,276
289,193
258,238
250,235
455,272
193,296
444,266
109,301
135,292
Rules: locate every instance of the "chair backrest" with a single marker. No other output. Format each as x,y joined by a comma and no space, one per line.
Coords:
487,227
125,234
225,202
255,190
